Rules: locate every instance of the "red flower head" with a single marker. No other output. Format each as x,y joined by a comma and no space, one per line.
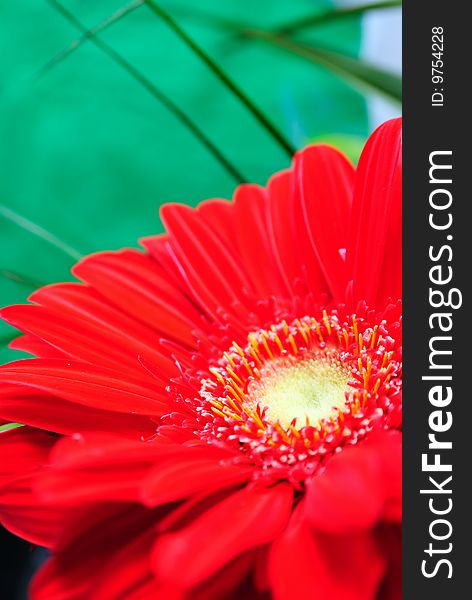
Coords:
219,417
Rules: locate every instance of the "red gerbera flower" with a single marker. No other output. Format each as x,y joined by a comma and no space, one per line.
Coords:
219,417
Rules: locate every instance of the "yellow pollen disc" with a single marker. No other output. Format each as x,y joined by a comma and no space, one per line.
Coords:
308,390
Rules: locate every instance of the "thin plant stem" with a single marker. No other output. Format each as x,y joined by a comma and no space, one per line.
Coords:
77,43
222,76
154,91
24,280
38,231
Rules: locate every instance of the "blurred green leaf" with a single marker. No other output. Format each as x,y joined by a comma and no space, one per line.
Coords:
333,15
6,339
319,17
222,76
153,90
8,426
351,145
364,75
356,71
194,47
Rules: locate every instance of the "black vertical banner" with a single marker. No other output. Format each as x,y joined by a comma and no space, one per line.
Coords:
437,259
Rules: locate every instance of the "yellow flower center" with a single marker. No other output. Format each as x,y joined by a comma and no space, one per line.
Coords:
308,390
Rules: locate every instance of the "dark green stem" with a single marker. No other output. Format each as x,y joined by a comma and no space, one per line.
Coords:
222,76
333,15
154,91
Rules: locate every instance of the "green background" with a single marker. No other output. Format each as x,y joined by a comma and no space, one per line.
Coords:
88,154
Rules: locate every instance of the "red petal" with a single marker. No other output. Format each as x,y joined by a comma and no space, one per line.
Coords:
280,227
390,285
291,564
26,450
325,182
390,466
375,241
248,518
208,263
22,513
82,339
71,487
160,249
94,449
227,582
48,412
302,565
81,301
150,589
33,345
331,508
219,215
175,480
103,467
85,384
89,543
128,574
391,541
250,216
134,283
371,472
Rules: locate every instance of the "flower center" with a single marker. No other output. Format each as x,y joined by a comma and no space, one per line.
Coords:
296,392
303,391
